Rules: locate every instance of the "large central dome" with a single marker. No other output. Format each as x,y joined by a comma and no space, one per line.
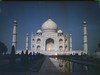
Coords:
49,25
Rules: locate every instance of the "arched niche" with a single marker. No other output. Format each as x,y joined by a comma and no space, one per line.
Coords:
49,44
38,47
38,40
60,48
60,41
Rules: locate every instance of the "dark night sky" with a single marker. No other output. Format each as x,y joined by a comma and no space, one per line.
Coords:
68,16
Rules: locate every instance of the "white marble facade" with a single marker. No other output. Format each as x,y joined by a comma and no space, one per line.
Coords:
49,40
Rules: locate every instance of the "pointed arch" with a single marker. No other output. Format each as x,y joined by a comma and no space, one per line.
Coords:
49,45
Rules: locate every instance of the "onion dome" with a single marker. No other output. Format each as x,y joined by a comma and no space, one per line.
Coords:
49,25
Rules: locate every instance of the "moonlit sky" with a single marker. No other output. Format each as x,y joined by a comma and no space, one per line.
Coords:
68,16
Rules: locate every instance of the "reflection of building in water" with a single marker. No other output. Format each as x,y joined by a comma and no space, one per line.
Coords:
69,67
64,66
50,40
61,65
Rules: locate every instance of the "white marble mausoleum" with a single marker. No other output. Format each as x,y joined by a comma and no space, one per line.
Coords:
49,39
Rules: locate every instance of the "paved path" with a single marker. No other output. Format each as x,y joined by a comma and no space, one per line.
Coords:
48,68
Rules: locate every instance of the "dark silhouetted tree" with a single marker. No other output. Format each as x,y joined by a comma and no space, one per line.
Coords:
98,48
26,61
22,53
13,50
30,57
99,45
33,53
12,56
3,48
26,53
22,58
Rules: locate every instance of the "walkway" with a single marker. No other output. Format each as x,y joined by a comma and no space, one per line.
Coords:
48,68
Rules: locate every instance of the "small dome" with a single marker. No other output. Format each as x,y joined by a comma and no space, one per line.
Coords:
39,31
60,31
70,34
84,21
49,25
14,21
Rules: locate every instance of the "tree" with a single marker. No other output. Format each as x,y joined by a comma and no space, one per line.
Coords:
3,48
26,58
12,56
99,45
13,50
22,57
22,53
26,53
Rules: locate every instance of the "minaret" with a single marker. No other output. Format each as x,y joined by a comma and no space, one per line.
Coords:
70,40
27,41
14,35
85,41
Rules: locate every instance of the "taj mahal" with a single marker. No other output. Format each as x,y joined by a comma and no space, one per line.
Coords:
50,40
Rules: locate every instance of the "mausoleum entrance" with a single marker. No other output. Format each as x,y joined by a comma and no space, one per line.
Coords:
49,44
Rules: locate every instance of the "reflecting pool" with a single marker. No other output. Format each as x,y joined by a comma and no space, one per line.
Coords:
74,68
